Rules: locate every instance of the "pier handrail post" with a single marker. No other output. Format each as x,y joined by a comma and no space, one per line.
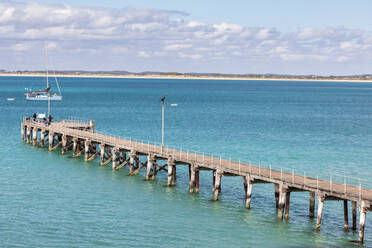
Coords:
259,168
187,155
317,182
230,162
203,158
281,174
250,167
330,179
292,176
220,161
239,166
304,177
360,190
270,171
345,182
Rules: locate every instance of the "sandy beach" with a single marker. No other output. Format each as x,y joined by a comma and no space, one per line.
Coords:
133,76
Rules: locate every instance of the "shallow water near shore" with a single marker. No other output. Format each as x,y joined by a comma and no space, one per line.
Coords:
52,200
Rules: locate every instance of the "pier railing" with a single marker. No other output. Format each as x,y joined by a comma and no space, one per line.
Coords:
335,179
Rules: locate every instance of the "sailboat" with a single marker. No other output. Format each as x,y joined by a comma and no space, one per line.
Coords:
40,95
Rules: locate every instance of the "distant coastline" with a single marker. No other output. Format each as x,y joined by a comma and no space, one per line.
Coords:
206,76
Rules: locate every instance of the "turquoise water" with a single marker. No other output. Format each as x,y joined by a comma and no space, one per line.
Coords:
50,200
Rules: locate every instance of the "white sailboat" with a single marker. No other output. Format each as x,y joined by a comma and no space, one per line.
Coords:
44,95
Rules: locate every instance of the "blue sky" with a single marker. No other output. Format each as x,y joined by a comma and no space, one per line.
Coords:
267,36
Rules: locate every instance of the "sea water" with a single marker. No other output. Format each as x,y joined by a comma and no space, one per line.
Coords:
52,200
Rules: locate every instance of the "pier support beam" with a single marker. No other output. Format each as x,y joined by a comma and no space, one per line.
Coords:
282,200
87,144
102,154
354,213
346,216
150,165
42,137
74,147
213,180
51,140
34,136
171,166
311,204
362,219
276,189
288,197
192,169
321,199
132,158
196,180
28,135
248,186
23,132
217,185
115,152
64,143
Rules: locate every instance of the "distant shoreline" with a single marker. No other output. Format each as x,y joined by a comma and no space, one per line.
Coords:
133,76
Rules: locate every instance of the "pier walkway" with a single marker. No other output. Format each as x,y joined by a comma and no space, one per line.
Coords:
80,138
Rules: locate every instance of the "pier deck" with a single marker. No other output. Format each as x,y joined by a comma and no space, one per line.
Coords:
80,138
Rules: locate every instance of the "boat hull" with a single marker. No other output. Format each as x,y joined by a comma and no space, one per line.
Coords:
43,98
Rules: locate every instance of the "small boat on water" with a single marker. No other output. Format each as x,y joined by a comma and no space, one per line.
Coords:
10,99
44,94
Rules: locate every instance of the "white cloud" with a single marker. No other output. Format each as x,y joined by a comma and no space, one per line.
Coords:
151,33
143,54
21,47
176,47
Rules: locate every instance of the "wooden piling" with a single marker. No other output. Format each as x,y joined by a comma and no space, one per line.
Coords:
311,204
218,175
22,132
132,157
191,177
42,137
171,165
34,136
320,210
102,154
87,144
276,189
174,175
28,134
213,180
196,180
282,200
150,164
115,151
51,140
354,213
346,216
64,143
288,196
362,219
248,186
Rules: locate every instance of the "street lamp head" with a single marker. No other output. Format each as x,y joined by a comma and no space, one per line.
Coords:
163,98
173,104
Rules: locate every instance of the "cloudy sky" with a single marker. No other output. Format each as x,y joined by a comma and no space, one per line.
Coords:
237,36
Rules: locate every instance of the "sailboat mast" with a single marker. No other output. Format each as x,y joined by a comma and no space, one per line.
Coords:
47,83
46,62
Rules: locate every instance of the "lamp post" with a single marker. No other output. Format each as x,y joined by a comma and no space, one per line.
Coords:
163,105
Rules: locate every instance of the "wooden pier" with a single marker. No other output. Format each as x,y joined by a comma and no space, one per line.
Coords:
82,140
